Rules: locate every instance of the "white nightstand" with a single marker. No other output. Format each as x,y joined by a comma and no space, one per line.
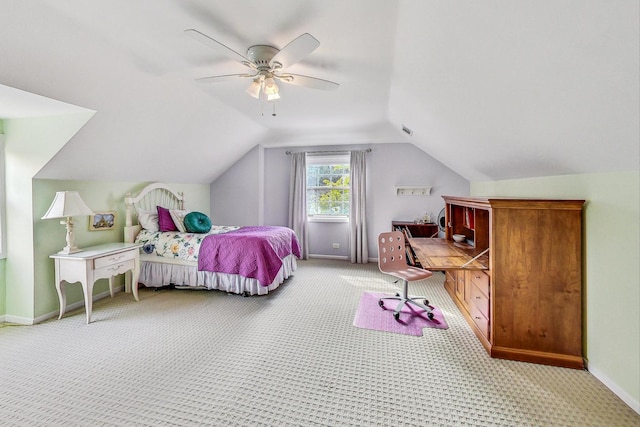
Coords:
96,262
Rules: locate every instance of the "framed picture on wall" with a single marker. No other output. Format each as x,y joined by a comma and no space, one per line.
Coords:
102,221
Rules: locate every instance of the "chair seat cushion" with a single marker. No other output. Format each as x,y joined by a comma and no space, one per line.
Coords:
409,273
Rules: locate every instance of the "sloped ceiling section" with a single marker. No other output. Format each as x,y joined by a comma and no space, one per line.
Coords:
18,104
132,63
512,89
150,124
493,89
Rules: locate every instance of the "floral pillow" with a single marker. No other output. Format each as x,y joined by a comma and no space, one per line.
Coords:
178,219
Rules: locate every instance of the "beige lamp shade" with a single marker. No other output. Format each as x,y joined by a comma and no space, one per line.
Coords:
67,204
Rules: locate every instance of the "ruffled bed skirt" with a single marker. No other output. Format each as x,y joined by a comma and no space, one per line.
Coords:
158,274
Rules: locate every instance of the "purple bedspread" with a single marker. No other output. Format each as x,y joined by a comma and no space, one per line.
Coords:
254,252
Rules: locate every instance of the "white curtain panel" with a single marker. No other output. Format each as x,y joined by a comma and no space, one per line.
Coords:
298,201
357,215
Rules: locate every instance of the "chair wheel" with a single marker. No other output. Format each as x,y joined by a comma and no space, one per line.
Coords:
430,316
397,294
396,316
381,303
426,302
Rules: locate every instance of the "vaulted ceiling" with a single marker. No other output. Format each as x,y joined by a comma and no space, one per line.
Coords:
492,89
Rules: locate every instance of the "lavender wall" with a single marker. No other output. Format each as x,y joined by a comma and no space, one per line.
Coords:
236,195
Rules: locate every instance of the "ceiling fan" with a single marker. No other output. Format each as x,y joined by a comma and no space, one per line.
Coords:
267,65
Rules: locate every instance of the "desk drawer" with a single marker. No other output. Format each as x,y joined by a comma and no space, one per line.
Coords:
450,280
116,258
481,280
479,300
480,320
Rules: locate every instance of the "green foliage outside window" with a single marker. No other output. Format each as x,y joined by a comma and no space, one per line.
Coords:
328,190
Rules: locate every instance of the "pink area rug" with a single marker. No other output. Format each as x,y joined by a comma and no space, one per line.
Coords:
412,319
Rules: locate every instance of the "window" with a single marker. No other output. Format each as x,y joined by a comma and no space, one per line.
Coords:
328,186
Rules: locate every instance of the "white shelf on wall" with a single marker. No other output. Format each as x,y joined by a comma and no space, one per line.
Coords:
406,190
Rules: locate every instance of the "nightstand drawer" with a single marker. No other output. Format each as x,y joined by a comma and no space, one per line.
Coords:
114,269
116,258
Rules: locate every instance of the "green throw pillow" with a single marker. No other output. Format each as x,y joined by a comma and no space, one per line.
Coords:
197,222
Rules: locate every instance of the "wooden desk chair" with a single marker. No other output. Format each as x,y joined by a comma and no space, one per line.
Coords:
392,261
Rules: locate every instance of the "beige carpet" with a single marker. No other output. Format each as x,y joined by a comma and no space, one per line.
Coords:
290,358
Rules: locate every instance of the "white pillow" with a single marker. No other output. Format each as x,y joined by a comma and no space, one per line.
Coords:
178,219
149,220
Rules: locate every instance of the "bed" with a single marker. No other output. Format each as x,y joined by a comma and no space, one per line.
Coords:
241,260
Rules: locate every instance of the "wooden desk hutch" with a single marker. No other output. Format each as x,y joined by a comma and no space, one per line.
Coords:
412,229
518,277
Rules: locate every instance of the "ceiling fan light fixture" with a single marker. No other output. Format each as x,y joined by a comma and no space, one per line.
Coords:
270,86
254,88
266,64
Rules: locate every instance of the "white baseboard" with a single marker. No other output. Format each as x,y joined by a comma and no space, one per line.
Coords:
27,321
339,257
8,318
622,394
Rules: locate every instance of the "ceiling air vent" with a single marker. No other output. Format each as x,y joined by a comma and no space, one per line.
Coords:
407,130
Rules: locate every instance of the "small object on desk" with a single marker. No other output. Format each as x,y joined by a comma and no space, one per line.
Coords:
459,238
97,262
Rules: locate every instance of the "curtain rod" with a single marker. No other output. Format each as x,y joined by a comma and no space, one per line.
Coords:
368,150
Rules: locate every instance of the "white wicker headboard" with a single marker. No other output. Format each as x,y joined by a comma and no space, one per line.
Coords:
156,194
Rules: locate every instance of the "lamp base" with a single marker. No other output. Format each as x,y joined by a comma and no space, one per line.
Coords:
71,247
69,250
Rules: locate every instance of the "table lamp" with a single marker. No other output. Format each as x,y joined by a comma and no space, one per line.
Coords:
67,204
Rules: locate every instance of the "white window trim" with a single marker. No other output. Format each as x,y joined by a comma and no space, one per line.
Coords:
328,218
323,159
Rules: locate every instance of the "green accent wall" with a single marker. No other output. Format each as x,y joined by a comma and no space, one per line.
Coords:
49,238
611,268
3,263
50,234
3,287
27,275
29,144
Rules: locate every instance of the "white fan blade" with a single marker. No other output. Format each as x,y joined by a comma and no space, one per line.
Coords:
306,81
296,50
208,41
224,78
